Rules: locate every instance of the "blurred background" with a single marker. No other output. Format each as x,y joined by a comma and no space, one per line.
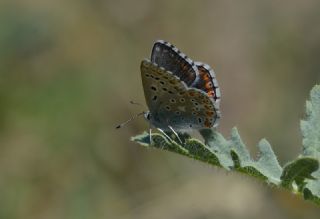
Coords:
68,70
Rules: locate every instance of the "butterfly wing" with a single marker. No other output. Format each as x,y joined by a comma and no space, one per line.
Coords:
169,57
157,86
207,82
172,103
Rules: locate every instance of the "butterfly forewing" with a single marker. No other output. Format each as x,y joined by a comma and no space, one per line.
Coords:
169,57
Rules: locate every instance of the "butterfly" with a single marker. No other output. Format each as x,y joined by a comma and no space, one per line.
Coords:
181,94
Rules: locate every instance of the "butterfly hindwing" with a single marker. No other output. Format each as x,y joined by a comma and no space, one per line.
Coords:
207,82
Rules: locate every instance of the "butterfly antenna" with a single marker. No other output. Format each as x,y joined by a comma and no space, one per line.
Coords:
135,103
129,120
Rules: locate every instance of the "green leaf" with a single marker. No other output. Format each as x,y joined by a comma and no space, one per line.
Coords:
310,127
219,146
298,171
192,148
266,167
307,194
229,154
159,141
312,189
301,176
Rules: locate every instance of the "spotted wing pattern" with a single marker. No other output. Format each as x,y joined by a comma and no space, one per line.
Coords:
172,103
170,58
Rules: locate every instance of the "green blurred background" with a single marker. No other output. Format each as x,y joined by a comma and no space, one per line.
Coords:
68,70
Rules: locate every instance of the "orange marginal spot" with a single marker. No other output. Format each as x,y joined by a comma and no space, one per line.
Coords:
211,93
191,93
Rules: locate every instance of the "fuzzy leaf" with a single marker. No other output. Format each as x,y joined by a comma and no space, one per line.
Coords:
298,171
230,154
266,167
159,141
312,189
192,147
310,127
220,147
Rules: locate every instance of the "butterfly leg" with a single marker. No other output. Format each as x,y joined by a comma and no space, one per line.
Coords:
167,136
176,134
150,137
